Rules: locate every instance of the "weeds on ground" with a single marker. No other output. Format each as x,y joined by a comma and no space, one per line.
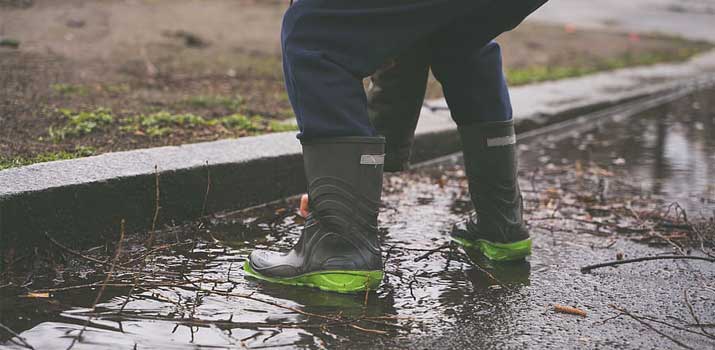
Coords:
162,123
210,101
80,123
79,152
535,74
70,89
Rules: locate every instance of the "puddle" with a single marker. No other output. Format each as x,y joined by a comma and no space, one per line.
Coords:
668,151
195,295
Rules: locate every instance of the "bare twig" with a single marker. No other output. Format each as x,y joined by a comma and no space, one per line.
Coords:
74,252
641,321
157,196
208,189
23,343
432,251
587,269
694,315
117,252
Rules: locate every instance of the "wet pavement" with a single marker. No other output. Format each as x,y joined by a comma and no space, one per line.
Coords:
589,196
685,18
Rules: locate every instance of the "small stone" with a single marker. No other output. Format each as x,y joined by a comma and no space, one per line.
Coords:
75,23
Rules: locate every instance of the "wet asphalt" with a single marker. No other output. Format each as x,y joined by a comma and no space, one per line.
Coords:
440,300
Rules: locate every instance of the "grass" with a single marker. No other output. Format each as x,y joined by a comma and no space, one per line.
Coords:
153,125
211,101
70,89
535,74
79,152
162,123
80,123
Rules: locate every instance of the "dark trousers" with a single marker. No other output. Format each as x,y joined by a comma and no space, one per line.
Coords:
329,46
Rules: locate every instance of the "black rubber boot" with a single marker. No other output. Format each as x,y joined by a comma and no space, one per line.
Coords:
496,227
338,249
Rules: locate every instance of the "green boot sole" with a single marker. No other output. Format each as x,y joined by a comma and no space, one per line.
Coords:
498,251
331,281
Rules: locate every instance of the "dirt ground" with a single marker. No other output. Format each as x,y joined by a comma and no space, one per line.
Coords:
82,77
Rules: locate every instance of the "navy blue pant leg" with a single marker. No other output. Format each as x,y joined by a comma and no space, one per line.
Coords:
329,46
468,63
473,84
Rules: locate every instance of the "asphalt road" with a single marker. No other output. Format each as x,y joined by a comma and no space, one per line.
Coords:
693,19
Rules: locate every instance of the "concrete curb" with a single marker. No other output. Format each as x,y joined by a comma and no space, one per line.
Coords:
83,201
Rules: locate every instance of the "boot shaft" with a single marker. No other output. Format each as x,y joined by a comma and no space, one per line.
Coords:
345,179
490,162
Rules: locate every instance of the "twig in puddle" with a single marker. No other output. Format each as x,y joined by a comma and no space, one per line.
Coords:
99,284
413,280
74,252
154,251
367,291
157,196
117,252
208,189
23,343
432,251
348,322
589,268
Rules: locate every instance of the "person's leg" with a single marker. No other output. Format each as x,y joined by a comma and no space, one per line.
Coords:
329,46
477,95
394,101
468,63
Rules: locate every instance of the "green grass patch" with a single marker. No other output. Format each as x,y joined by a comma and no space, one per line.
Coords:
117,89
535,74
79,152
280,126
241,122
80,123
70,89
211,101
162,123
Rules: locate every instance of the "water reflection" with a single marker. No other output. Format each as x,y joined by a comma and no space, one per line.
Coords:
670,150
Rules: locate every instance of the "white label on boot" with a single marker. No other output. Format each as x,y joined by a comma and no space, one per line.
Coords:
372,159
501,141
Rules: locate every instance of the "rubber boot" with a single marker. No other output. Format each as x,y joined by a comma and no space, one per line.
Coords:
338,249
496,228
394,101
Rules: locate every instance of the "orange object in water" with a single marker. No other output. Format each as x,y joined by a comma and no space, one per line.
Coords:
304,206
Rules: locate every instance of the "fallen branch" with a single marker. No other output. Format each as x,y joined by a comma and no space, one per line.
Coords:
117,253
432,251
74,252
23,343
641,321
587,269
